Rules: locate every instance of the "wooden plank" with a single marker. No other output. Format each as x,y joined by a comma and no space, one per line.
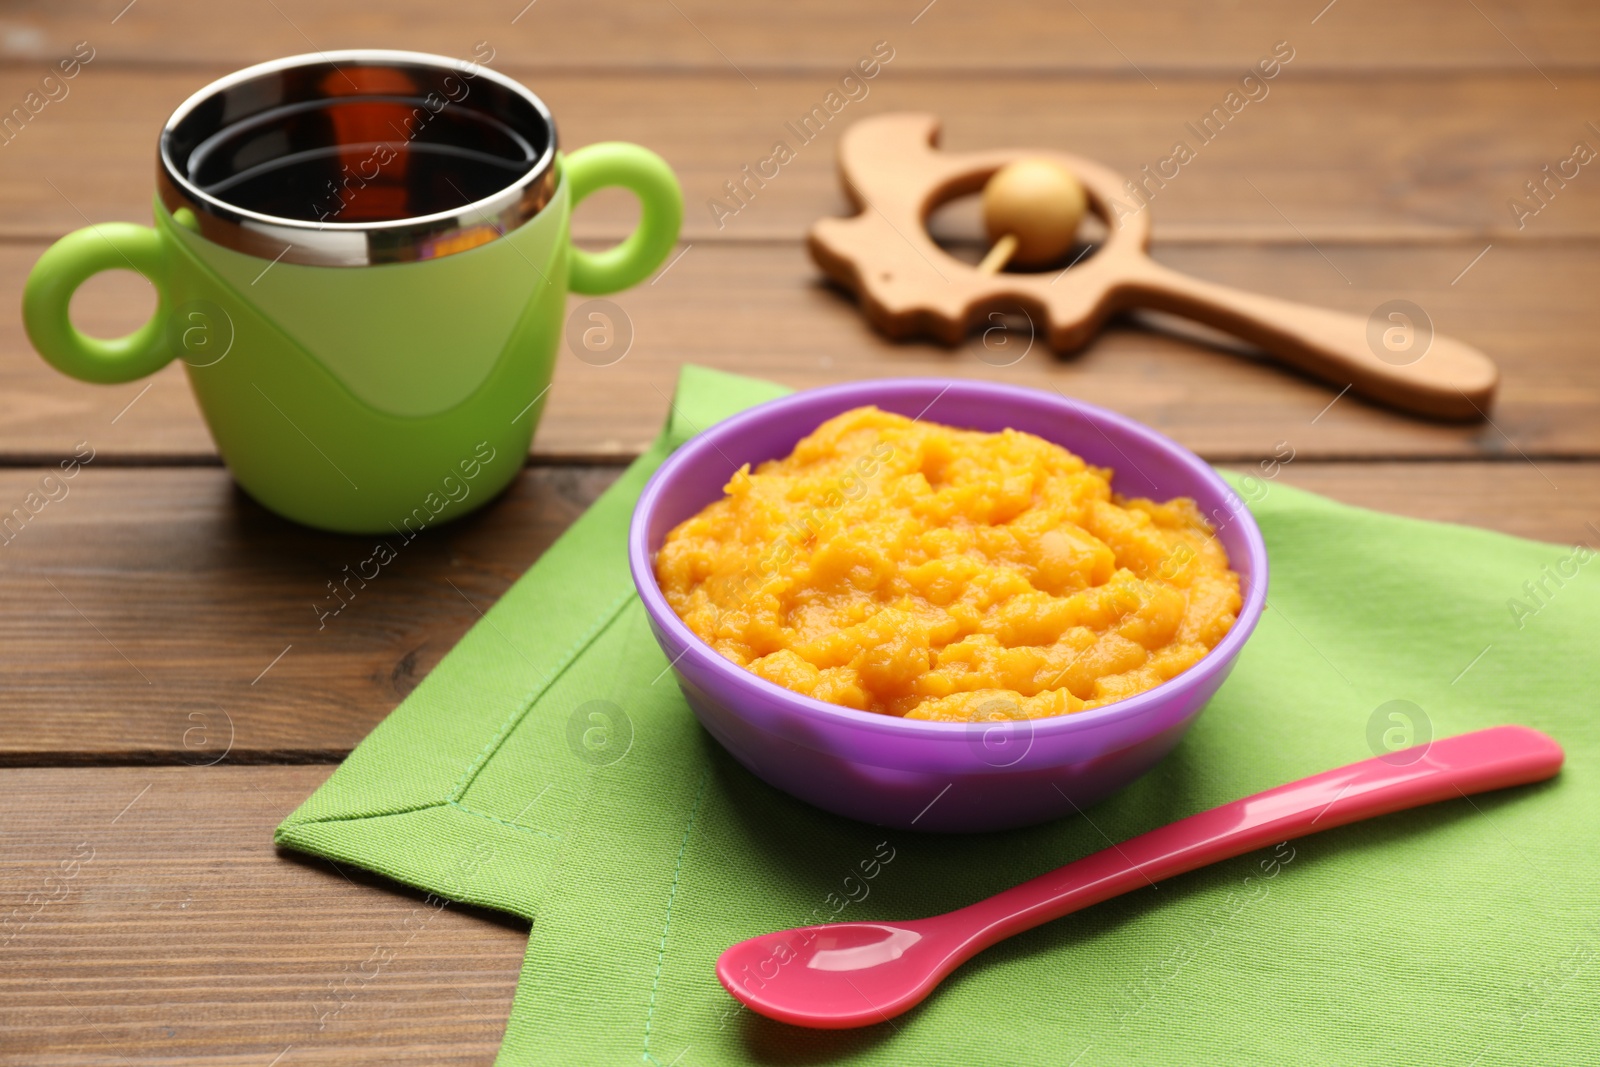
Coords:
760,309
170,619
181,934
1544,501
1332,157
1093,35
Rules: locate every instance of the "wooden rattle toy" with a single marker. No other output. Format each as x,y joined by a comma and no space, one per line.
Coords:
895,175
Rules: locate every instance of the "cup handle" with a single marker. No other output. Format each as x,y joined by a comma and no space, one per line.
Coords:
660,214
67,264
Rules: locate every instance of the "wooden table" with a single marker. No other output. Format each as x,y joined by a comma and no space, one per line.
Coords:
167,693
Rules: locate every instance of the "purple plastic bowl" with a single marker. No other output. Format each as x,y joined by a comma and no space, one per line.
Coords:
911,774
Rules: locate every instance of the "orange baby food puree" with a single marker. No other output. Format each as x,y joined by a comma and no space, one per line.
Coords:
913,569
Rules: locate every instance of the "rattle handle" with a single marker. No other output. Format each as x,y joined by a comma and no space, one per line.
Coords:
1420,371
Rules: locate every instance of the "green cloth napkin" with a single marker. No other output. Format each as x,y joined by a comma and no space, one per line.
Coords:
549,767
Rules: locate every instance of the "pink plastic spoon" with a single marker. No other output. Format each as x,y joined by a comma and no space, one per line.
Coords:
841,975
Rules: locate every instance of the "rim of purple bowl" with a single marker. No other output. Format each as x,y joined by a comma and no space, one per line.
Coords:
641,558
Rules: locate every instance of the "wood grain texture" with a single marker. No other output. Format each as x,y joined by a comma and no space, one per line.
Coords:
1333,157
162,614
703,34
181,936
763,310
152,605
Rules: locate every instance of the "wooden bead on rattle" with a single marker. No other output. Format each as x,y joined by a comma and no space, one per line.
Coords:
1031,208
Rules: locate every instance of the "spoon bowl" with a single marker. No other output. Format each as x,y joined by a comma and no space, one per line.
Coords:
900,963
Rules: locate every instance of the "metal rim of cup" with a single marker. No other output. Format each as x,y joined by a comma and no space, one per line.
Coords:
351,244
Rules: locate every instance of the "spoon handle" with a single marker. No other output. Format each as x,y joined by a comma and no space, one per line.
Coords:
1394,358
1453,767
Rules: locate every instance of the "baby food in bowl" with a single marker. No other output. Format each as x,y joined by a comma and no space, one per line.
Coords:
913,569
841,530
